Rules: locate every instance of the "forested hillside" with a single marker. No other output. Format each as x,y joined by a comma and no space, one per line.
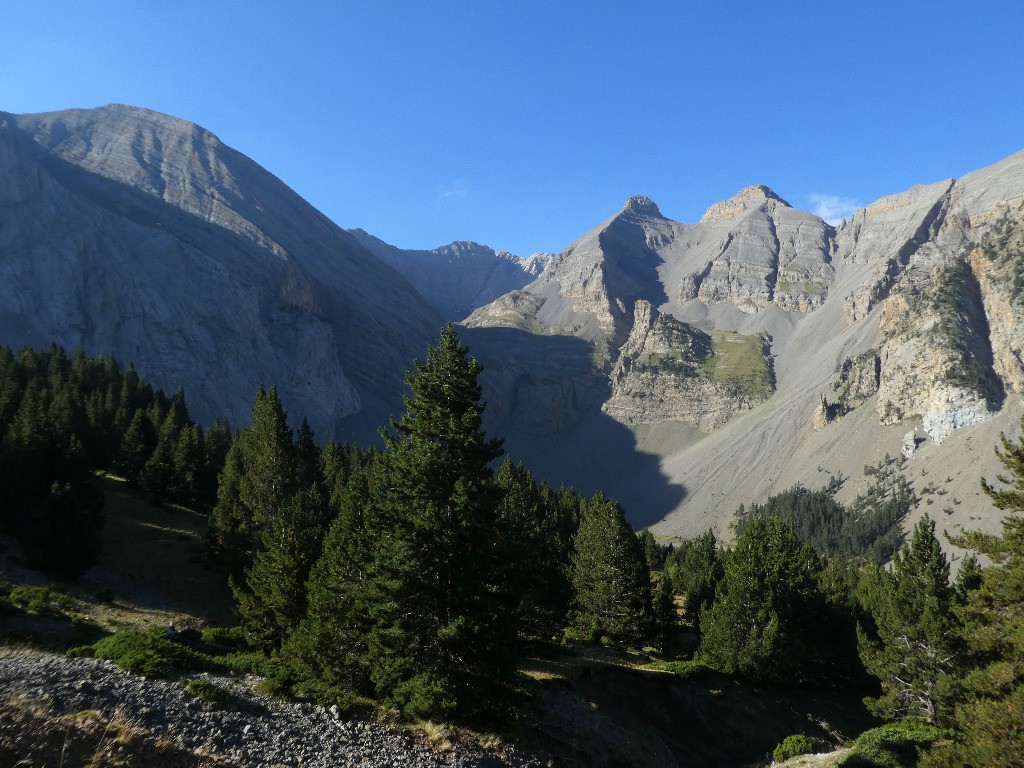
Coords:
422,578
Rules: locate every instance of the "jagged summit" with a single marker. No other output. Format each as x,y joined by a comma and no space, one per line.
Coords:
639,204
748,198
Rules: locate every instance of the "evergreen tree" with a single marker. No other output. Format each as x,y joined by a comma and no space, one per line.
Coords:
664,616
694,569
761,624
230,528
610,579
330,644
307,458
271,474
272,600
912,650
260,472
990,715
535,554
437,640
138,445
188,464
216,444
157,474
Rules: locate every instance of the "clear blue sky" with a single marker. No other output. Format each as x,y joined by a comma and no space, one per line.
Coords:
522,124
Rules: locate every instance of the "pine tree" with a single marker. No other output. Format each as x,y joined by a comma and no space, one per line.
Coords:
188,464
330,644
158,473
260,472
761,623
307,458
664,616
270,474
695,568
272,599
137,446
535,554
912,650
610,579
437,640
230,528
990,715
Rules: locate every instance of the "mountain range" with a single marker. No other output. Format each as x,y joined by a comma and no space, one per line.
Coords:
684,368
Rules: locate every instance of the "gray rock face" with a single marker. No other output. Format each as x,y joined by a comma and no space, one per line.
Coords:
666,371
758,251
136,234
458,278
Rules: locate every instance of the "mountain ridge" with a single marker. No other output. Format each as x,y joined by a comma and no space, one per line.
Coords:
684,368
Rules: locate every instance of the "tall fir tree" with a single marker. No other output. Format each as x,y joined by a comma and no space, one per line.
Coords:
610,579
535,554
437,639
260,472
330,644
761,623
272,599
912,650
695,568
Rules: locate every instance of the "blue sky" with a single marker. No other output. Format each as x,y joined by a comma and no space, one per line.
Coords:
524,124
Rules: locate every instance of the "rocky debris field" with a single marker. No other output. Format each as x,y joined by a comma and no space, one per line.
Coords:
56,710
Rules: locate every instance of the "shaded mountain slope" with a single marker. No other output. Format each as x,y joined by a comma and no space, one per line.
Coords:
140,235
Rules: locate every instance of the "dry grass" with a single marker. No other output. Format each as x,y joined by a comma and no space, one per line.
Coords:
33,733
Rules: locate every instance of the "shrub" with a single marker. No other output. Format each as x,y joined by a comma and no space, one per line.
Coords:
40,600
791,746
893,745
231,636
149,653
688,670
208,691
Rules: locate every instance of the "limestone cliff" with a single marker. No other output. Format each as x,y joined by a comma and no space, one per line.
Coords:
669,371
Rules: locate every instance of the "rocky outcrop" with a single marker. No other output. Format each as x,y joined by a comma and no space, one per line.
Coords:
140,235
997,265
856,379
885,235
936,361
758,251
669,371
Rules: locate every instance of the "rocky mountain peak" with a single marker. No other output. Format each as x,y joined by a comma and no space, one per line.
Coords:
638,204
747,199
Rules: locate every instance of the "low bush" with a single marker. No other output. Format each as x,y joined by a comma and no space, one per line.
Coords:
688,670
230,636
208,691
791,746
150,653
41,601
893,745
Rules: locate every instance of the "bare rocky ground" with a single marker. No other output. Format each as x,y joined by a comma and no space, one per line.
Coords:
60,711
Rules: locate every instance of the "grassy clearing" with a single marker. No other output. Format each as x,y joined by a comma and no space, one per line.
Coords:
741,362
152,572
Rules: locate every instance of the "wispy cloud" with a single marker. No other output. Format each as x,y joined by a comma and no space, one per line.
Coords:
833,208
454,188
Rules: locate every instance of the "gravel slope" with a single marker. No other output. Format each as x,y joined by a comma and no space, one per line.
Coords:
254,730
